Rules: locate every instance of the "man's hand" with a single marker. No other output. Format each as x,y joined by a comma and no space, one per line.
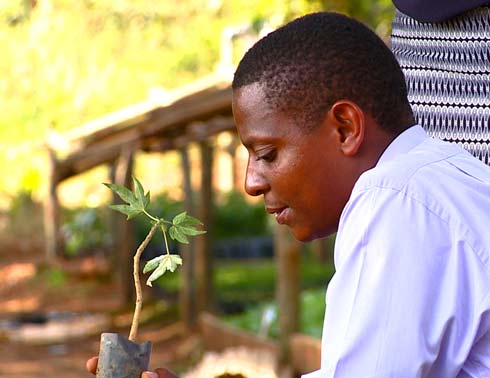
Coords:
158,373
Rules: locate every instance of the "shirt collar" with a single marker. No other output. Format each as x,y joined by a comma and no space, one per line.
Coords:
403,143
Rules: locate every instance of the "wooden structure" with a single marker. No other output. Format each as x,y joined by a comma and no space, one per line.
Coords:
193,113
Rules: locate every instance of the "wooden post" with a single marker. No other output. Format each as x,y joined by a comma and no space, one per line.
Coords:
187,281
323,249
123,230
231,149
53,244
287,254
204,258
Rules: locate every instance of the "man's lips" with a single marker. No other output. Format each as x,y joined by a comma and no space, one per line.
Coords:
279,212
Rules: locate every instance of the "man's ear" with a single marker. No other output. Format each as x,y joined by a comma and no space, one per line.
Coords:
349,122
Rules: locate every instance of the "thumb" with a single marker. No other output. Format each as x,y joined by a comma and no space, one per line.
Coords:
149,374
92,365
159,373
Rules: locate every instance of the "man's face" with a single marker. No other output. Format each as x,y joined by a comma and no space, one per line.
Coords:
298,172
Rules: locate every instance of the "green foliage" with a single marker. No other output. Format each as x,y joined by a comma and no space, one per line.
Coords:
161,206
136,202
182,225
25,219
312,311
251,319
55,277
12,11
254,281
124,50
252,284
235,216
84,229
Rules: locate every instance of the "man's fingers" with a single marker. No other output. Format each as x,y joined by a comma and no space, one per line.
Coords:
92,364
159,373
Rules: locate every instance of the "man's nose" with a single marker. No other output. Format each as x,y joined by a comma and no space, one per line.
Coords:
255,182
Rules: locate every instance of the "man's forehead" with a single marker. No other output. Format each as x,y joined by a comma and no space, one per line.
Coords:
250,101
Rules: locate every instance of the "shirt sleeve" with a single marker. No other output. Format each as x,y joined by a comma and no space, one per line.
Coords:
394,306
436,10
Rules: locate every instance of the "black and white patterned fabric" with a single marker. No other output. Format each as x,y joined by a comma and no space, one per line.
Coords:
447,69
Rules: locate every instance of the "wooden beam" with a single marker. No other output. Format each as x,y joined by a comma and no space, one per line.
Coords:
139,113
200,131
169,138
203,108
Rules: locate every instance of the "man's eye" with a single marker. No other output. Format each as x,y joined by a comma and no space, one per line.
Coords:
268,156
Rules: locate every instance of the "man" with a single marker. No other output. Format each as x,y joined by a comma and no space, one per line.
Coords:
321,106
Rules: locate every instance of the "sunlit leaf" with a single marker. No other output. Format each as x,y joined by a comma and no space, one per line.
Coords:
152,264
140,193
127,210
186,220
157,273
124,193
166,262
179,218
189,230
171,262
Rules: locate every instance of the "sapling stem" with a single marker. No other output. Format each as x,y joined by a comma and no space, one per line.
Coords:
166,242
182,226
137,283
151,216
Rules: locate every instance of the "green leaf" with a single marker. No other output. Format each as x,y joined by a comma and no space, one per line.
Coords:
124,193
128,210
142,199
152,264
179,218
166,262
189,230
191,221
185,220
176,234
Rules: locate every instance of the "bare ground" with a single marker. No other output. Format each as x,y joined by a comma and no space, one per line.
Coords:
26,288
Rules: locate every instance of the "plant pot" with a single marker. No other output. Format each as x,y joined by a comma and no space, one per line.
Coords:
122,358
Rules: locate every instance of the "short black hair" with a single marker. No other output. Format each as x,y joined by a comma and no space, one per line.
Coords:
310,63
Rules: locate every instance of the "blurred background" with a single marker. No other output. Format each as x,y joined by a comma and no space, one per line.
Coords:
94,91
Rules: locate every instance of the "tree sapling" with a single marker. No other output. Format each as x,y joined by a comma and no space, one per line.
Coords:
125,358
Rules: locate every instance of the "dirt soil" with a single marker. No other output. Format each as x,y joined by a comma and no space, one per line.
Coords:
28,291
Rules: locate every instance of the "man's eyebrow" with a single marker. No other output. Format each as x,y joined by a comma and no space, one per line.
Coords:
252,141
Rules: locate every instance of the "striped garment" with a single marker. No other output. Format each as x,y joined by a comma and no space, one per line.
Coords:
447,69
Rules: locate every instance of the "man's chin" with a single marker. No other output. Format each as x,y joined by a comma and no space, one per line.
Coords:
302,235
305,236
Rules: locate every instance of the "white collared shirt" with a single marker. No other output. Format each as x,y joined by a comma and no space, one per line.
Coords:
411,294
